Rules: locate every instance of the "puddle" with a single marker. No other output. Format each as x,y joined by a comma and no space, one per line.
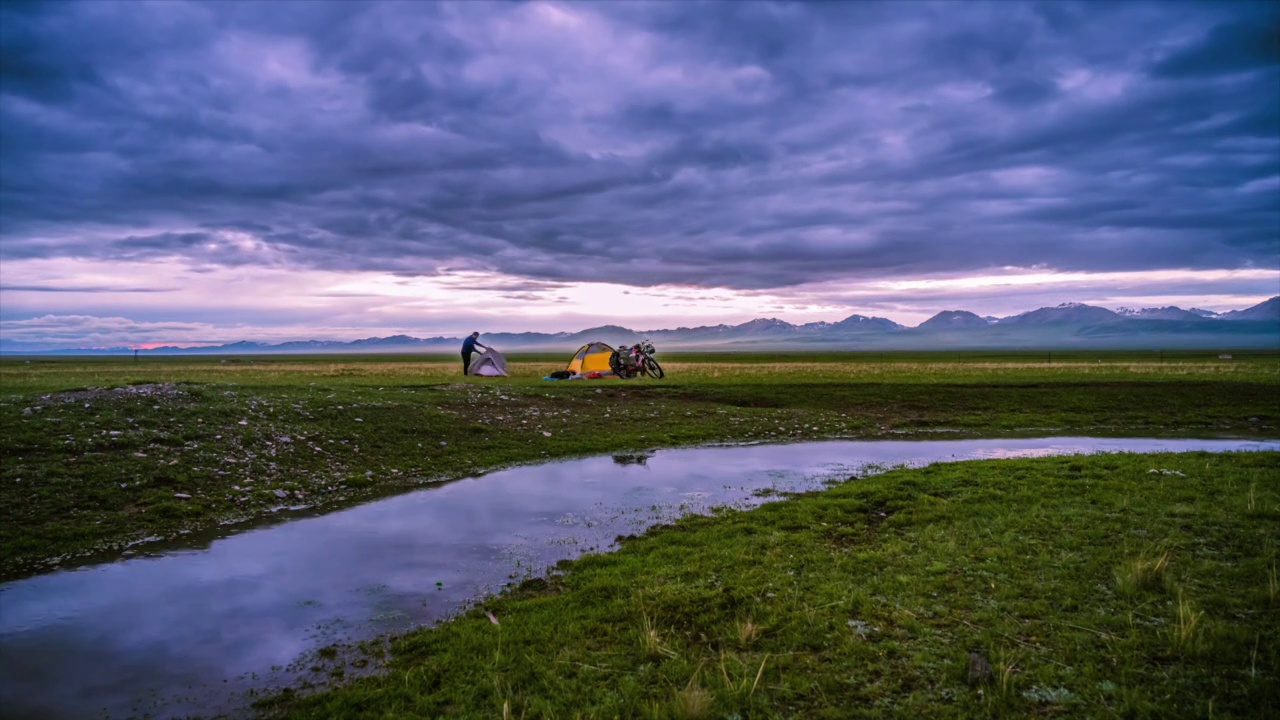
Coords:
190,630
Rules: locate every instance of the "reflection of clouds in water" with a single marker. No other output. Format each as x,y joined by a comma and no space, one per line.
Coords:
1031,453
837,468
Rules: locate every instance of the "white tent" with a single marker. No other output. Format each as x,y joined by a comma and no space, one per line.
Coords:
489,363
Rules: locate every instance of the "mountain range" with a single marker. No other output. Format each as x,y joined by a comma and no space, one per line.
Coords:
1069,325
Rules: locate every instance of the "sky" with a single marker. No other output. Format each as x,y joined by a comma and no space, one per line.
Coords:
183,172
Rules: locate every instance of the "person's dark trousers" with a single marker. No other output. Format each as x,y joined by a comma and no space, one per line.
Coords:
466,362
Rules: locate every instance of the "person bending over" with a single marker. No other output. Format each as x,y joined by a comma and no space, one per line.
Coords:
468,347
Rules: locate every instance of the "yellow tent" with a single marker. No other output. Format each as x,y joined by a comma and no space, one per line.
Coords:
592,357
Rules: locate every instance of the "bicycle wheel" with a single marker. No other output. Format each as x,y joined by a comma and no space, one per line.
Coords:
653,368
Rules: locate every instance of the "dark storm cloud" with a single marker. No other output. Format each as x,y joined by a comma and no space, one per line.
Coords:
733,144
1230,47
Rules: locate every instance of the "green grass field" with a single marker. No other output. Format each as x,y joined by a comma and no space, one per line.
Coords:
1084,587
90,470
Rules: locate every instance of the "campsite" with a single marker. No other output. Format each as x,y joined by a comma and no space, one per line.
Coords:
201,449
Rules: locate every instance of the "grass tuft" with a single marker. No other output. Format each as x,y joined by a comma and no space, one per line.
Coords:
1006,668
1143,574
651,640
745,684
748,631
1186,634
693,702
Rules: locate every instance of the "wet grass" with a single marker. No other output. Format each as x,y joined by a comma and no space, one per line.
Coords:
209,442
1094,586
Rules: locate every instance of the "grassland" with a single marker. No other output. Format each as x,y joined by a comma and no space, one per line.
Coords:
1085,587
48,374
101,453
1101,586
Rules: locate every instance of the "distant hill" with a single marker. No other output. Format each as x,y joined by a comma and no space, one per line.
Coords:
1268,311
1164,313
953,320
816,326
760,326
1070,325
862,323
1064,314
1171,330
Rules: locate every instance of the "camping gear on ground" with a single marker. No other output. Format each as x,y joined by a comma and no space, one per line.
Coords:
592,357
489,363
560,375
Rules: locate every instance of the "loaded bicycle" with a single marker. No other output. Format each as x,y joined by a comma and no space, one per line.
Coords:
629,362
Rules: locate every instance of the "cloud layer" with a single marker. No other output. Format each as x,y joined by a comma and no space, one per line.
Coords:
210,172
748,147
